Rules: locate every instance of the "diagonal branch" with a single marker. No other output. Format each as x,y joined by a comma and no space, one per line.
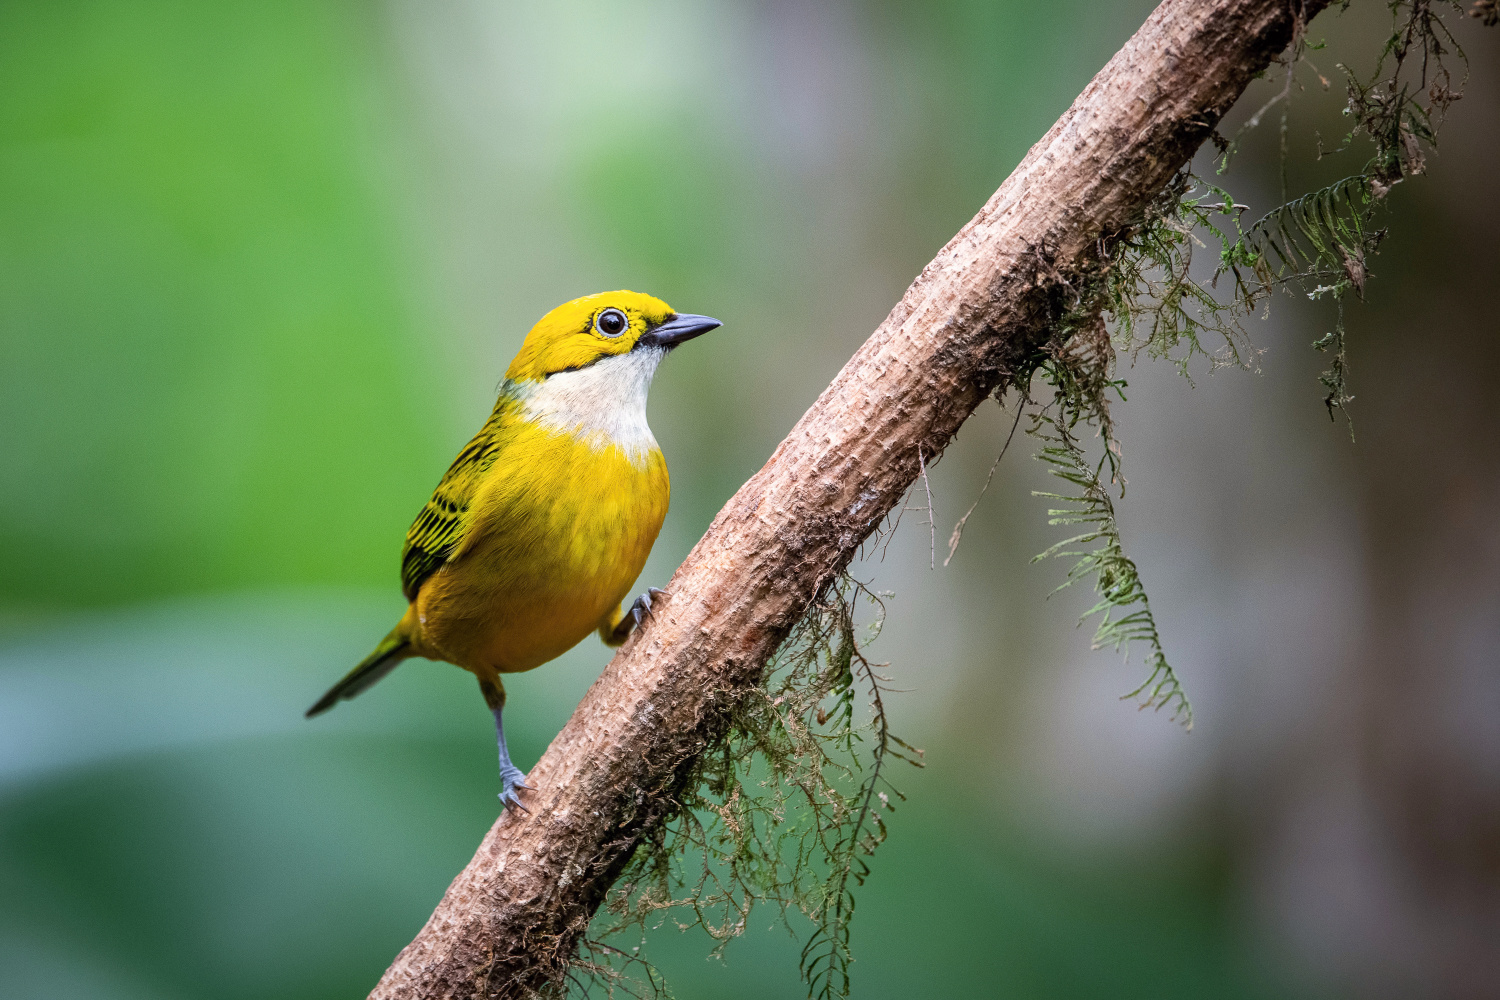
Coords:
971,322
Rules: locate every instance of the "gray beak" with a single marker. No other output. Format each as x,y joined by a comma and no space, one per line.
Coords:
680,328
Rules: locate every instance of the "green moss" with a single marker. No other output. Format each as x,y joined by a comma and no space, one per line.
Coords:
785,812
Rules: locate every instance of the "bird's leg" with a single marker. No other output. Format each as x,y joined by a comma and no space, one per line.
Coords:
511,776
637,613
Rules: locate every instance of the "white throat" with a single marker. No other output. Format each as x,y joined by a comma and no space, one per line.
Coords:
603,404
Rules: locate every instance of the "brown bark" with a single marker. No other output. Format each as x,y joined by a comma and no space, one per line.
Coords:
510,921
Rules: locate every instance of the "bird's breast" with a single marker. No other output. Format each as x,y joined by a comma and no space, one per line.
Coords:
562,527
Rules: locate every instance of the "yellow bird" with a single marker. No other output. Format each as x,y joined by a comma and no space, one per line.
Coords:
539,528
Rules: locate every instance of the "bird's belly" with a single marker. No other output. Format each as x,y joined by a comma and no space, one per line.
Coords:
560,535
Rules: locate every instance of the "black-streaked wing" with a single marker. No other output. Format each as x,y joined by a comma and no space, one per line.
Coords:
439,529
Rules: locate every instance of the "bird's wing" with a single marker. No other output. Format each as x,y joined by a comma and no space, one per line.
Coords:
439,529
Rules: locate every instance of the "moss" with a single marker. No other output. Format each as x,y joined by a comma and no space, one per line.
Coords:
785,811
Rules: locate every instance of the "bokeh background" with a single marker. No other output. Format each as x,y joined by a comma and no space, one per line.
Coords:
261,267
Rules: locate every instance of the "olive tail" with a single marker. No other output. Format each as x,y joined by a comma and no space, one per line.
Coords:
392,650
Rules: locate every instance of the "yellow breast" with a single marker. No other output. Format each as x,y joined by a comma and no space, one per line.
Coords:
561,526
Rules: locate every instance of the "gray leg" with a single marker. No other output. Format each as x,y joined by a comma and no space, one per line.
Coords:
511,776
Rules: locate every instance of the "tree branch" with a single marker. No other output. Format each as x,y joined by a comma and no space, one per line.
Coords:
511,920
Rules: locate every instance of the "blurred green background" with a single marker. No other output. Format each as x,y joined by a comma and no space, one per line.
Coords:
261,268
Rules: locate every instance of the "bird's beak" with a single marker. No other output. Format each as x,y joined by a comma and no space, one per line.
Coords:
682,327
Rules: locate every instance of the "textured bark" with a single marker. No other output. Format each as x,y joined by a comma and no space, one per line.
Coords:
510,921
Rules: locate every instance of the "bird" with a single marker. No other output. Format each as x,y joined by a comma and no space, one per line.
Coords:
542,524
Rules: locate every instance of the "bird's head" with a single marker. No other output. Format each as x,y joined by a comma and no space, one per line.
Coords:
599,327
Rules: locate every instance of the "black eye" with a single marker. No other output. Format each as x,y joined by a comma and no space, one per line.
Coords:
611,322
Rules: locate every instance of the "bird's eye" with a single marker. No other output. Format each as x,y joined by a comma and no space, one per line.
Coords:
611,322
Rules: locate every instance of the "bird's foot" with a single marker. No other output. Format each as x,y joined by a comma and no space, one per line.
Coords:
512,780
631,620
641,609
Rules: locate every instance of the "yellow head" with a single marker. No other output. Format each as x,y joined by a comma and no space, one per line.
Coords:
577,334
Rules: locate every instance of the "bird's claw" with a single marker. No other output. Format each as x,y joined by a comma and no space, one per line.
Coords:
642,607
512,781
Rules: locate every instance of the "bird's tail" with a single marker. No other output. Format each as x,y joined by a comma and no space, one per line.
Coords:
392,650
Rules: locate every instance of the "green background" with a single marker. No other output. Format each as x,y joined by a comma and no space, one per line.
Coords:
261,267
